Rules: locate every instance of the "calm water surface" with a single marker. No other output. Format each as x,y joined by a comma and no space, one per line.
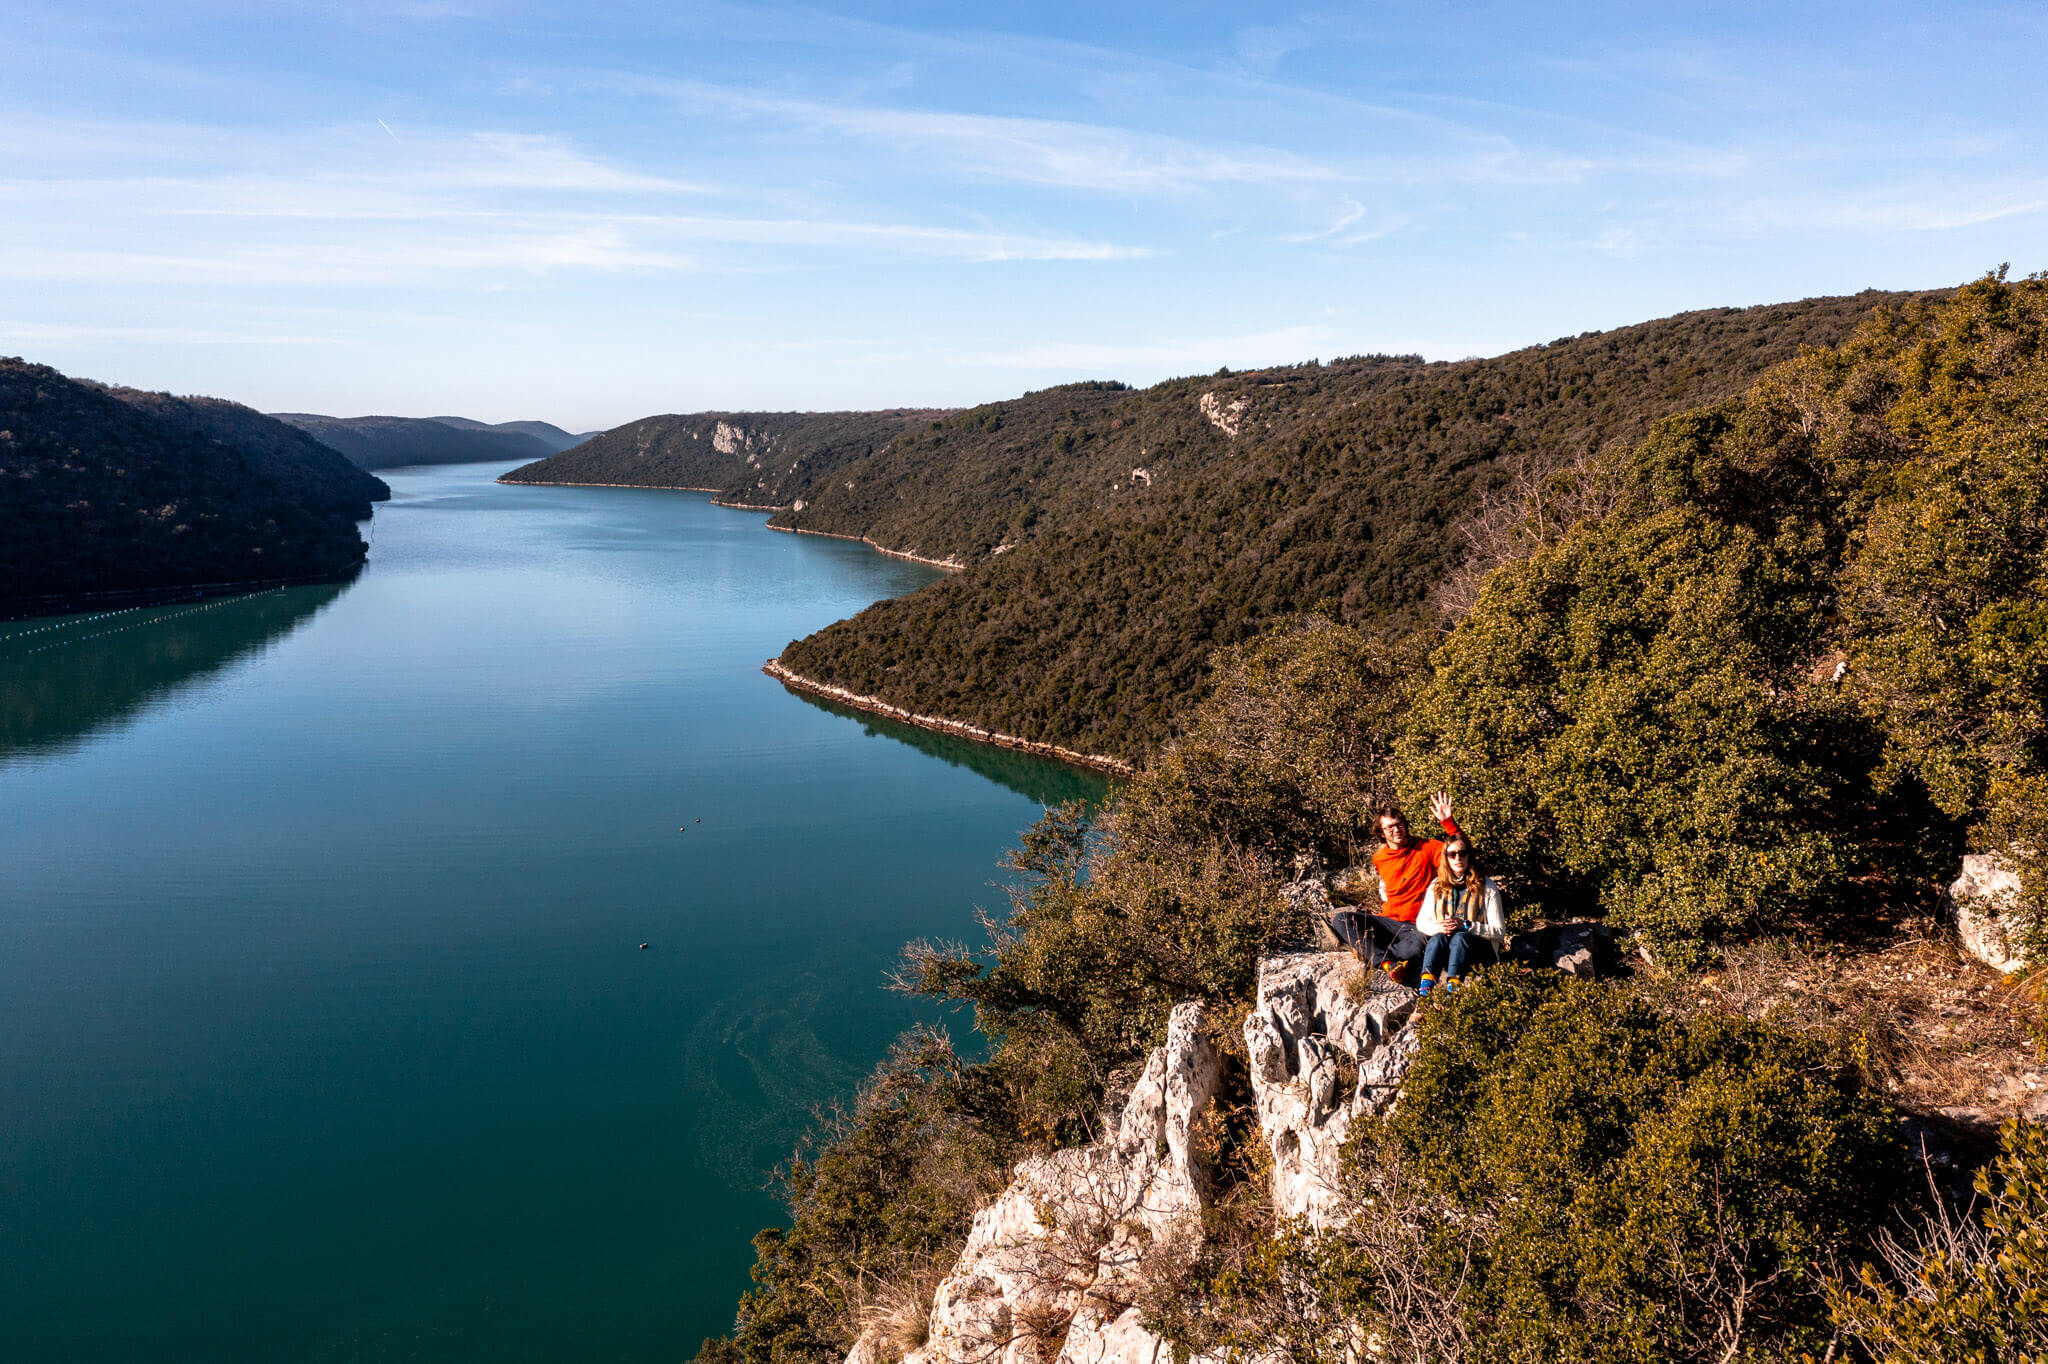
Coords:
324,1029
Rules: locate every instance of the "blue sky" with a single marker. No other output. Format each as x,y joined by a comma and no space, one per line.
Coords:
587,213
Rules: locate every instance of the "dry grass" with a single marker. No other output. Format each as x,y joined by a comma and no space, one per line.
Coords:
1947,1035
894,1310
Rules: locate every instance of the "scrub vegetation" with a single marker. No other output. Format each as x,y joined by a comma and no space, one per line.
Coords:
767,459
106,491
1745,687
1345,489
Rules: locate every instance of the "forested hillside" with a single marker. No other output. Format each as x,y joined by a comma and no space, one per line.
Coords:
280,452
547,433
983,481
1344,486
390,442
755,459
113,490
1743,689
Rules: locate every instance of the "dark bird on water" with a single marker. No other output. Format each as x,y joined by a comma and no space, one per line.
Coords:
643,947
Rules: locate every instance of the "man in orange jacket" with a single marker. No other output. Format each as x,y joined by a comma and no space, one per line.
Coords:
1406,865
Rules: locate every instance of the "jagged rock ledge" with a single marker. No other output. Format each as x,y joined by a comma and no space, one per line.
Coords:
1053,1268
950,565
1101,762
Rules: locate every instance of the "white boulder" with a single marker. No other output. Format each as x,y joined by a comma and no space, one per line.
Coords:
1985,901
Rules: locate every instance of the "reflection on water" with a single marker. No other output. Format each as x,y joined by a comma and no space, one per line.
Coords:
66,678
1036,779
325,1029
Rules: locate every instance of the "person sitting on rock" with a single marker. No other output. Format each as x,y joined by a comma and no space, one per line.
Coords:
1406,865
1461,921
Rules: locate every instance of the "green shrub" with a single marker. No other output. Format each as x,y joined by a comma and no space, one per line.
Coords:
1966,1295
1096,951
1571,1175
1945,419
887,1199
1623,719
1807,642
1628,1185
1290,750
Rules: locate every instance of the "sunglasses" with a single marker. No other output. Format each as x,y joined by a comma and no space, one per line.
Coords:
1458,856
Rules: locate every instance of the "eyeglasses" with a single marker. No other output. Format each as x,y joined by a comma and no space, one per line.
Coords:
1458,856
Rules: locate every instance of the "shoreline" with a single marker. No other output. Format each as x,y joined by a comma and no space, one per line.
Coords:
1100,762
949,565
563,483
874,705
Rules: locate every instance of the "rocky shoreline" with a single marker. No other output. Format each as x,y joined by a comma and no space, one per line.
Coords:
950,565
510,481
1100,762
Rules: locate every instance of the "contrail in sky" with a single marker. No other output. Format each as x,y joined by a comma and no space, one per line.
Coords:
387,128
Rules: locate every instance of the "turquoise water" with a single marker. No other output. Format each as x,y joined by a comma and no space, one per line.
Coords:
324,1029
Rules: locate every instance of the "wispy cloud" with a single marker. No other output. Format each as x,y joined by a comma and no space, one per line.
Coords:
341,209
1035,151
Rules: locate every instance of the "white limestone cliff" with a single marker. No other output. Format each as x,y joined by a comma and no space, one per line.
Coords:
1328,1042
1050,1268
1047,1272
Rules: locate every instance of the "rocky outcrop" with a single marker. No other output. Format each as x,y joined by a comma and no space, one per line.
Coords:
1049,1270
1985,902
728,439
1309,894
1356,885
1328,1042
1225,417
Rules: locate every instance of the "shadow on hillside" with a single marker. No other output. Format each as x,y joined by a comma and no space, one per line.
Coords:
1036,779
64,679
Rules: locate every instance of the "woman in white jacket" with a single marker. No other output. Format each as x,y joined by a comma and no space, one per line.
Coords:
1462,919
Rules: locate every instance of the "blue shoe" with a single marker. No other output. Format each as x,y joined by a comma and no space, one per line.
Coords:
1428,984
1451,984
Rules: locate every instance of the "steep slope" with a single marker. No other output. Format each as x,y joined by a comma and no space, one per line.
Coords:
1095,627
325,479
983,481
118,492
767,459
389,442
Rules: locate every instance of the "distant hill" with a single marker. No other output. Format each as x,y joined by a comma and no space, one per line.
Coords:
1114,538
118,491
547,433
756,459
389,442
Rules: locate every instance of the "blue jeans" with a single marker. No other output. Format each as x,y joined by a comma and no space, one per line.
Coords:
1447,954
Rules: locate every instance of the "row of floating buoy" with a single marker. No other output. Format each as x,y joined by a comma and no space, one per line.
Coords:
119,629
82,620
